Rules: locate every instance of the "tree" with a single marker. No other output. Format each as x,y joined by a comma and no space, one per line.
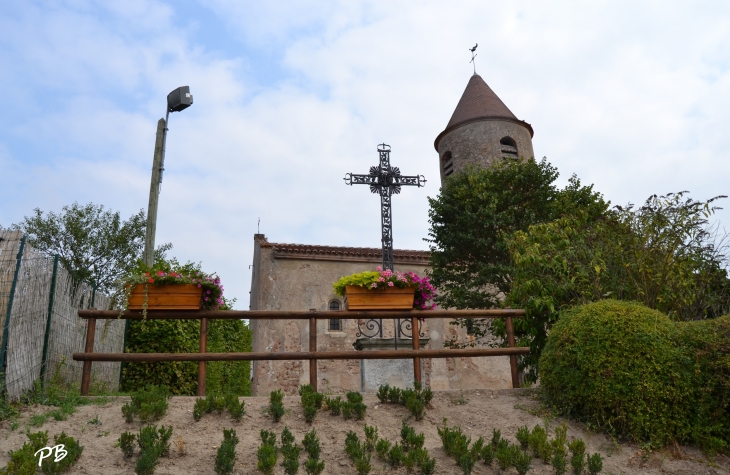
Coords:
664,254
478,210
92,243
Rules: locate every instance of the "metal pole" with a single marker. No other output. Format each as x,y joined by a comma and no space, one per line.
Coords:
44,358
6,330
157,167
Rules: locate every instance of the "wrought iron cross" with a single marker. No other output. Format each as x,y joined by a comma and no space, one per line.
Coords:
386,181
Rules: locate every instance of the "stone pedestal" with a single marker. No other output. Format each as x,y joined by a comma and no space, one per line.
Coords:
398,373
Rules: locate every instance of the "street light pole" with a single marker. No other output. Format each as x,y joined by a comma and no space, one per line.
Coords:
177,100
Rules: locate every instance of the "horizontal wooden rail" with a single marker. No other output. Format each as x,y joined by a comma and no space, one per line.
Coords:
88,356
302,355
280,315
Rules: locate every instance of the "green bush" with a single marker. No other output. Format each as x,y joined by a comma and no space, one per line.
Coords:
276,406
616,365
24,461
183,336
126,443
595,464
225,458
150,404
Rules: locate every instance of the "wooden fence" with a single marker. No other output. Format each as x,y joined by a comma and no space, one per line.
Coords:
88,356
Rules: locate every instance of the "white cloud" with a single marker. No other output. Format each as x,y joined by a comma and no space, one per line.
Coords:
631,97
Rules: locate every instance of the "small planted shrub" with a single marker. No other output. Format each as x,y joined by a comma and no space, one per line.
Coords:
559,463
523,436
149,404
346,410
577,460
487,454
409,439
394,395
126,443
522,461
595,464
537,439
153,444
382,393
276,405
395,456
382,447
371,438
291,452
225,458
496,437
504,456
313,466
267,454
334,405
311,401
235,407
200,408
24,461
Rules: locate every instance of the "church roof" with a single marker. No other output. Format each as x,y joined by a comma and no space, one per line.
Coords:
479,102
341,253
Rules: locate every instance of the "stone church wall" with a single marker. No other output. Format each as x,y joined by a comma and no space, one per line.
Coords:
298,278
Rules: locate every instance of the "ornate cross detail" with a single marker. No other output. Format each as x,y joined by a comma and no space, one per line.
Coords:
386,181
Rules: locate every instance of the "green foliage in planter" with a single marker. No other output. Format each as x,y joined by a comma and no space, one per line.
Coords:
617,366
183,336
225,458
150,404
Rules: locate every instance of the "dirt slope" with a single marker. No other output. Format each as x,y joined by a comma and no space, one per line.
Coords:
477,412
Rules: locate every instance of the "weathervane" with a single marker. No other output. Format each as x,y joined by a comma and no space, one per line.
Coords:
473,55
385,181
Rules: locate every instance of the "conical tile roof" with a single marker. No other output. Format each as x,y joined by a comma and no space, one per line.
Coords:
477,103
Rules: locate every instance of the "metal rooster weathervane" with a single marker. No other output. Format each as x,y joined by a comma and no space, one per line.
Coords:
386,181
474,55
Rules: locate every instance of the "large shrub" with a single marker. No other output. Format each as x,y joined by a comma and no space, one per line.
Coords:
618,366
183,336
707,346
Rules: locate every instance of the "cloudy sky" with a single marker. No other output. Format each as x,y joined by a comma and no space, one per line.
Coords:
289,96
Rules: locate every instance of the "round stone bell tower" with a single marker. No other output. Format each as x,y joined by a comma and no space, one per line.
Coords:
481,131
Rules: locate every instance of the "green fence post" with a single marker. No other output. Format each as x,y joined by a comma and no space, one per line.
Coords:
6,329
44,358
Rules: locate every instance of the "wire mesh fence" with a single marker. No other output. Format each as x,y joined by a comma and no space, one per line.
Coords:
40,326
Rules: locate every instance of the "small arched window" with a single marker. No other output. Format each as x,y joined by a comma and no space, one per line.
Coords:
508,147
335,323
447,164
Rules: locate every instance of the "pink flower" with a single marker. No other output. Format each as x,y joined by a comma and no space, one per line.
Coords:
380,279
378,268
199,286
390,284
160,273
373,285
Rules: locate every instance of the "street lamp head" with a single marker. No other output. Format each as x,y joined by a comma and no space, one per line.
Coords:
179,99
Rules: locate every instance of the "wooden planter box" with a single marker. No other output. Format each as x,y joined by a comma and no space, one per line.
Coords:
358,298
167,297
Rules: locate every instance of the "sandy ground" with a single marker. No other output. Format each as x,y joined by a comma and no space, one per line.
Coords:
476,411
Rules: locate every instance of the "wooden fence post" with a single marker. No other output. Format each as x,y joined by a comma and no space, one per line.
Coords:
86,373
416,345
512,358
313,347
203,349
